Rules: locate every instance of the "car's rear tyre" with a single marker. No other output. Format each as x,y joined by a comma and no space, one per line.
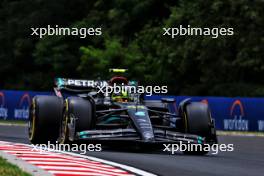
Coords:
44,119
82,110
197,120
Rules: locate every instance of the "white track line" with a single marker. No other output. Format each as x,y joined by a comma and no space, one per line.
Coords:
83,173
24,152
98,166
128,168
74,169
76,165
41,159
73,158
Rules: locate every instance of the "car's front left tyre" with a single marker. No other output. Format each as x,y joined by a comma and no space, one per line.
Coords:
44,118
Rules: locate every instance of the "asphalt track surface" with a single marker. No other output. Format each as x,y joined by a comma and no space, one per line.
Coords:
246,159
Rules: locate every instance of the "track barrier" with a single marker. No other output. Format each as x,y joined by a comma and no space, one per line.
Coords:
230,114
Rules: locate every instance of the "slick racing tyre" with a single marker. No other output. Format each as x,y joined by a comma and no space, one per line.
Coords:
44,119
78,115
197,120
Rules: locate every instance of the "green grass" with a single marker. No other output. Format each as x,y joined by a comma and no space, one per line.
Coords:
13,122
7,169
241,133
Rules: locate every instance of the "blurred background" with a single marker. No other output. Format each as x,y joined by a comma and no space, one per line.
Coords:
132,38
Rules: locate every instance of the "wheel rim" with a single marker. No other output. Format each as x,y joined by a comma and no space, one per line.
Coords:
64,128
185,122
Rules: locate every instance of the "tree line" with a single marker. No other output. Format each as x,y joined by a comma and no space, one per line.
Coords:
132,38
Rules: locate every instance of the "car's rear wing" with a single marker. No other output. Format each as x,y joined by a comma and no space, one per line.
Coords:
78,83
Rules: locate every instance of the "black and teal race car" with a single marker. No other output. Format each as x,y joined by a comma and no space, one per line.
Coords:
79,112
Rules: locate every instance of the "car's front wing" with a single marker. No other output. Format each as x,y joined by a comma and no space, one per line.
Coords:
161,136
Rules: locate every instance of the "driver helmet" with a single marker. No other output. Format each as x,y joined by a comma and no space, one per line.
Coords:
120,97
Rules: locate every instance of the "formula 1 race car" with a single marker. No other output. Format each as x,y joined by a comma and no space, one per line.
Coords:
83,110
